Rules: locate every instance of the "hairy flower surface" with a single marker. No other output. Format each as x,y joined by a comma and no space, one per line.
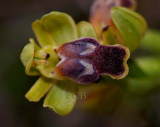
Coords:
84,60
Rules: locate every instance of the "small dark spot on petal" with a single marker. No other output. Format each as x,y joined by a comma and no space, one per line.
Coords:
47,56
105,28
127,3
55,50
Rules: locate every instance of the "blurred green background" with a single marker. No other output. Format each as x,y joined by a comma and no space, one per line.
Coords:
16,17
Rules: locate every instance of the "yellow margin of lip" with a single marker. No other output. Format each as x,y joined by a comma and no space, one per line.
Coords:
125,73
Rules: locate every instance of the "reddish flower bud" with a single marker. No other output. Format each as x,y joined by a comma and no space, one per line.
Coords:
100,12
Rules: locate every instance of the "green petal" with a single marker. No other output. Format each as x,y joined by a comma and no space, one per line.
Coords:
108,36
26,57
55,28
48,68
43,36
130,26
61,98
85,29
39,89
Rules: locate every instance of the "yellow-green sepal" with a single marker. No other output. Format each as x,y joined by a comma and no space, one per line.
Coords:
43,36
27,56
55,28
129,25
61,98
39,89
85,29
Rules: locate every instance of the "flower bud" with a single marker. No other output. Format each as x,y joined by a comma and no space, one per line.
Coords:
100,12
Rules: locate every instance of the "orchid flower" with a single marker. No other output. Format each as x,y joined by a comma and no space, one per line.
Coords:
69,55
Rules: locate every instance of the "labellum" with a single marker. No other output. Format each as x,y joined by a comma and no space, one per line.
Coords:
85,59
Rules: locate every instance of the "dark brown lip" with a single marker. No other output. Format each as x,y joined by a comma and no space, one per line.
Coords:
103,59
